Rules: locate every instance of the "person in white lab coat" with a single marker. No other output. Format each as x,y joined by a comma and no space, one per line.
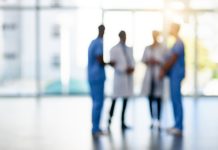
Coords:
121,56
152,87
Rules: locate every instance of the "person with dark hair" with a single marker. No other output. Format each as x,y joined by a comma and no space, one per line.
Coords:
96,78
121,56
152,86
175,68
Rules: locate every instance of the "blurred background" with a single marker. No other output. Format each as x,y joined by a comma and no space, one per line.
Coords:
43,53
43,43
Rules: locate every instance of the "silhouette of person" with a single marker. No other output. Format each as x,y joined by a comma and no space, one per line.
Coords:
175,68
152,87
96,79
121,56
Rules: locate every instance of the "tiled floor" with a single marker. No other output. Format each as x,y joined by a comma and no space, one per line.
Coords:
64,124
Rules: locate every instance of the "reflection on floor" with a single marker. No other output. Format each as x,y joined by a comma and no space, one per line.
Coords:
64,124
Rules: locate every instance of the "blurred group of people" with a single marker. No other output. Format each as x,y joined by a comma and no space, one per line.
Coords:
160,60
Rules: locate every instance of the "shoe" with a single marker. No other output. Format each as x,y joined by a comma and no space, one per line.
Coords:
151,126
99,133
174,131
125,127
109,124
158,125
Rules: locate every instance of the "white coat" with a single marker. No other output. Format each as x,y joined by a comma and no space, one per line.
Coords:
157,53
123,83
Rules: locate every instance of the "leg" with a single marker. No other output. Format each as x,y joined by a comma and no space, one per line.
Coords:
97,93
159,106
92,93
123,111
111,112
150,98
175,89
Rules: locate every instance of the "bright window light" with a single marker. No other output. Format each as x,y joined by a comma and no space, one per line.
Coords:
177,5
65,51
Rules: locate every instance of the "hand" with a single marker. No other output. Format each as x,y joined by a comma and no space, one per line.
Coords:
112,63
153,61
162,73
157,62
129,70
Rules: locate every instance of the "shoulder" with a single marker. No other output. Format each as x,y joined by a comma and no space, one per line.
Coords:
129,48
92,44
180,42
115,47
148,48
179,45
97,41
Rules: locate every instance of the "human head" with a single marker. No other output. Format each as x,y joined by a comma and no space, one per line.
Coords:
122,36
155,35
101,29
174,29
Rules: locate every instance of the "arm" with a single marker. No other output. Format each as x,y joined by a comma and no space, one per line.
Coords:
168,64
164,52
145,59
99,53
100,59
151,61
111,63
177,50
131,68
114,61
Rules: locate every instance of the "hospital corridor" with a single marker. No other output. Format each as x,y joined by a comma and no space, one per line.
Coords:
108,74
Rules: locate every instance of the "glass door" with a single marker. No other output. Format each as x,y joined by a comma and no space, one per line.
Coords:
207,44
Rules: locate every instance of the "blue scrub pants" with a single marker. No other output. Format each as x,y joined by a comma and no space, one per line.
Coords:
97,94
175,91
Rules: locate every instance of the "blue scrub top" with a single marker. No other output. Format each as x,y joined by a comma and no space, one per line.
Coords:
96,72
178,69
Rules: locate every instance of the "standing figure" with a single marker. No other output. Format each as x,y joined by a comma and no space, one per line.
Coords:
121,56
175,68
152,86
96,78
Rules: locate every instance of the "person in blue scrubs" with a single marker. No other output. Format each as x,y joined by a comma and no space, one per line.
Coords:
175,68
96,79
